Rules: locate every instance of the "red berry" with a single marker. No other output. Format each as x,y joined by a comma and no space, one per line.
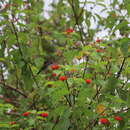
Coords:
98,40
12,123
55,67
62,78
88,81
104,121
68,31
26,114
99,50
44,114
118,118
54,74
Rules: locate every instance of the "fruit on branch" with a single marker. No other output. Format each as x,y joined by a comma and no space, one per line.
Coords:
69,31
54,74
99,50
118,118
104,121
62,78
55,67
44,114
98,40
26,114
88,81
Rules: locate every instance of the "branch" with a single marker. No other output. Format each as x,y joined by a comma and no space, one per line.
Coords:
21,53
85,66
121,68
14,89
82,9
97,93
77,21
17,39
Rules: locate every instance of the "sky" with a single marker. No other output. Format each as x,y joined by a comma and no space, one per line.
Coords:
46,6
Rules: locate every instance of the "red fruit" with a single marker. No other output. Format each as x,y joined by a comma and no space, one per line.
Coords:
62,78
99,50
118,118
54,74
55,67
12,123
26,114
88,81
104,121
44,114
98,40
68,31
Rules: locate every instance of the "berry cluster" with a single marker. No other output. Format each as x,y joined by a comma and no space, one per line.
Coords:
105,121
26,114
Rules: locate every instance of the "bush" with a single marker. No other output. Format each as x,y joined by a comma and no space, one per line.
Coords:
56,73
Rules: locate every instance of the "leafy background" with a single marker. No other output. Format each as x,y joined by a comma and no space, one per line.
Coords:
30,41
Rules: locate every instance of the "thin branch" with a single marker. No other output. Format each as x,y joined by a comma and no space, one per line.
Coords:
77,21
21,53
108,70
82,9
68,100
123,85
85,66
98,91
121,68
14,89
17,39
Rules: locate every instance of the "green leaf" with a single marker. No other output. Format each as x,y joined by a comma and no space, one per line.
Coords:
111,85
125,44
122,94
64,122
101,4
85,92
27,76
57,93
128,8
122,25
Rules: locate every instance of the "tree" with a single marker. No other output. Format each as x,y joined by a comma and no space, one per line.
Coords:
84,82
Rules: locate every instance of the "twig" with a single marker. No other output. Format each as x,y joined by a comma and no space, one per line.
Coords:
68,100
98,91
121,68
82,9
85,66
108,70
77,21
14,89
21,53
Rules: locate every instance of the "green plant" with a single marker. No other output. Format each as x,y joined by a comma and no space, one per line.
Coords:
56,73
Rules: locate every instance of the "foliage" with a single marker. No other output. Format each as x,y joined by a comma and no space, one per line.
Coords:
91,81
